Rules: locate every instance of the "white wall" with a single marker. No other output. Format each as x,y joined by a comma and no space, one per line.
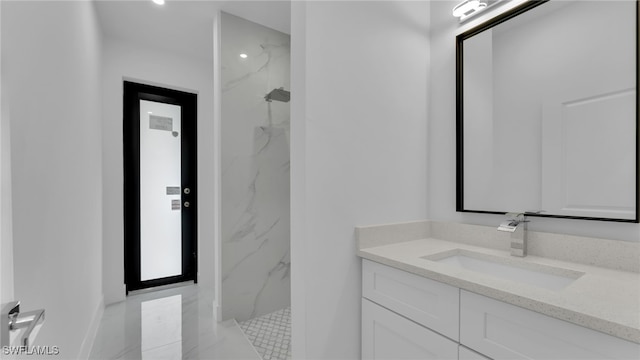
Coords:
442,140
51,63
6,233
3,258
125,60
359,153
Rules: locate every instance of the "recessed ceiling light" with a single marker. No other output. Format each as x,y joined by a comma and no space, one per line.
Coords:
159,2
244,56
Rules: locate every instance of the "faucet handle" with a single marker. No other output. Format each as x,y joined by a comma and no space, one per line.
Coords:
508,226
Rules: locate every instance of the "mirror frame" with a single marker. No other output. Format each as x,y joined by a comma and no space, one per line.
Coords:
509,14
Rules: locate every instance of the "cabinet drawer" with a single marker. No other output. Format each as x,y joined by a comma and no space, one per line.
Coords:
466,354
504,331
427,302
387,335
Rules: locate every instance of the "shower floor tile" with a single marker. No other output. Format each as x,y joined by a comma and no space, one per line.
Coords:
270,334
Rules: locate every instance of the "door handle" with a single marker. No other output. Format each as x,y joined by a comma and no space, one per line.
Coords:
12,319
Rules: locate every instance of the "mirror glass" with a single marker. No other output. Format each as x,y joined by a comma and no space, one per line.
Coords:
547,111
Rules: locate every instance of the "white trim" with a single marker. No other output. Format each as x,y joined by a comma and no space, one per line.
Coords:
6,222
299,255
92,331
217,161
158,84
1,169
216,311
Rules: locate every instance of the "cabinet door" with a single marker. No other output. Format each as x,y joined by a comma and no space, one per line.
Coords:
429,303
387,335
466,354
504,331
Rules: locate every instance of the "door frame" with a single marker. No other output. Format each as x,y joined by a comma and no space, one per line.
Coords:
132,94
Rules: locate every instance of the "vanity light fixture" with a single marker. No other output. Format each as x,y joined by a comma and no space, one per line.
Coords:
468,7
159,2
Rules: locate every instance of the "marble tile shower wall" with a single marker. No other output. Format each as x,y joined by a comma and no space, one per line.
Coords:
255,170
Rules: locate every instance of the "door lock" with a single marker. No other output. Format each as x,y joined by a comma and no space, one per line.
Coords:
186,204
187,191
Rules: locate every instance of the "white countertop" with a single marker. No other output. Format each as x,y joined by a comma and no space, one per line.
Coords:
602,299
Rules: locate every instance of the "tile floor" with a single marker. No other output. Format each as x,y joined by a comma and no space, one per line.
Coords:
270,334
176,323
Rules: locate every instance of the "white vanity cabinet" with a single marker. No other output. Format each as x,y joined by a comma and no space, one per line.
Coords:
387,335
430,303
505,331
405,316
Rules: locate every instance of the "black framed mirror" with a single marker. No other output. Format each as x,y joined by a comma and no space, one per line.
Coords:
547,111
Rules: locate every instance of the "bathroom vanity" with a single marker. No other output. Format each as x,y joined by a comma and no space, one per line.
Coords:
427,293
548,134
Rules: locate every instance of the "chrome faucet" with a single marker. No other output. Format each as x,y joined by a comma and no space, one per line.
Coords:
517,226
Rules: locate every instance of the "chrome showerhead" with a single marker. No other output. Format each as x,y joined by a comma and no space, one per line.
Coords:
278,95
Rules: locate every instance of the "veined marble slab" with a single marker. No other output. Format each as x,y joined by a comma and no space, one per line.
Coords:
255,171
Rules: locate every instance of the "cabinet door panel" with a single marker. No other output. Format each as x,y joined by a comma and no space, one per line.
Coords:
387,335
504,331
427,302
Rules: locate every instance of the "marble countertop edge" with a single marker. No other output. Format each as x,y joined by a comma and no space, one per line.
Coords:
568,305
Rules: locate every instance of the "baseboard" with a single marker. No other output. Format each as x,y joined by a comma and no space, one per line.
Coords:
92,331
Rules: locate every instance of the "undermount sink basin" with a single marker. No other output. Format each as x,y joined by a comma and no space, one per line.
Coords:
544,276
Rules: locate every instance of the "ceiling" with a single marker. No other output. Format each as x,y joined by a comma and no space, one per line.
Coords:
183,26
